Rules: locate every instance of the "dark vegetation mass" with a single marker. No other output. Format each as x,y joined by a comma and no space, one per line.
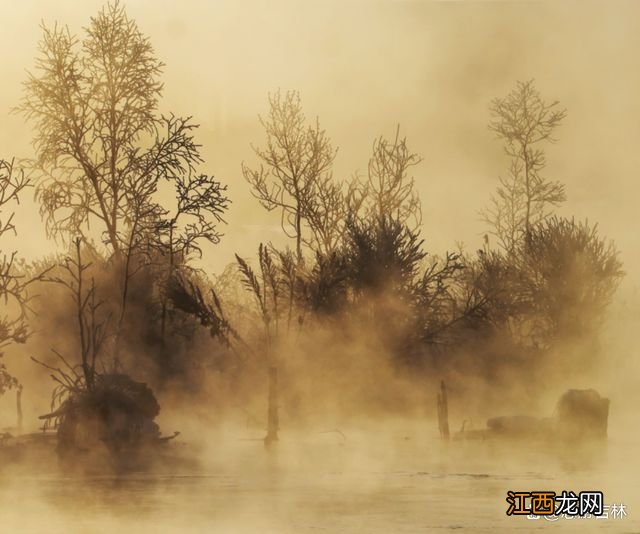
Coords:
320,325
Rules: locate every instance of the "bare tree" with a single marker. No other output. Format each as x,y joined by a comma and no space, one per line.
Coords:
102,149
389,189
93,102
92,322
138,251
524,121
328,209
295,163
13,283
12,329
94,406
201,204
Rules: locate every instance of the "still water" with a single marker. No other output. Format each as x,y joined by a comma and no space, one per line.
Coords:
326,483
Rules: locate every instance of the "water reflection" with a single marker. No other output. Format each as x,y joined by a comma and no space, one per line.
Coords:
417,486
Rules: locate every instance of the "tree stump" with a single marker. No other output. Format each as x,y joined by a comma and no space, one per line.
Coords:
443,412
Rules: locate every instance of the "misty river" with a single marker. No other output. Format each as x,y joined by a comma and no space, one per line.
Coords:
332,483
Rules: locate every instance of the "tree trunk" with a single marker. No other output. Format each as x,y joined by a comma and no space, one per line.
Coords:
272,408
443,412
19,408
163,317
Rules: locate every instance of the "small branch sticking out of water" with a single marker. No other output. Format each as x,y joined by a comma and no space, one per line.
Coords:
443,412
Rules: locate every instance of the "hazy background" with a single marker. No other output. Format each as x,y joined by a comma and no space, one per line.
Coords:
364,67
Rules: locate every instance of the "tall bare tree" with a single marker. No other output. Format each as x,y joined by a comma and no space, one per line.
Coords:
294,164
93,102
524,121
102,148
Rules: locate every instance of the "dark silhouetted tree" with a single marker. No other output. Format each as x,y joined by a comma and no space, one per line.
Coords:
570,275
383,254
200,205
555,287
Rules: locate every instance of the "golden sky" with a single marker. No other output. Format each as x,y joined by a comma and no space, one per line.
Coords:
365,66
